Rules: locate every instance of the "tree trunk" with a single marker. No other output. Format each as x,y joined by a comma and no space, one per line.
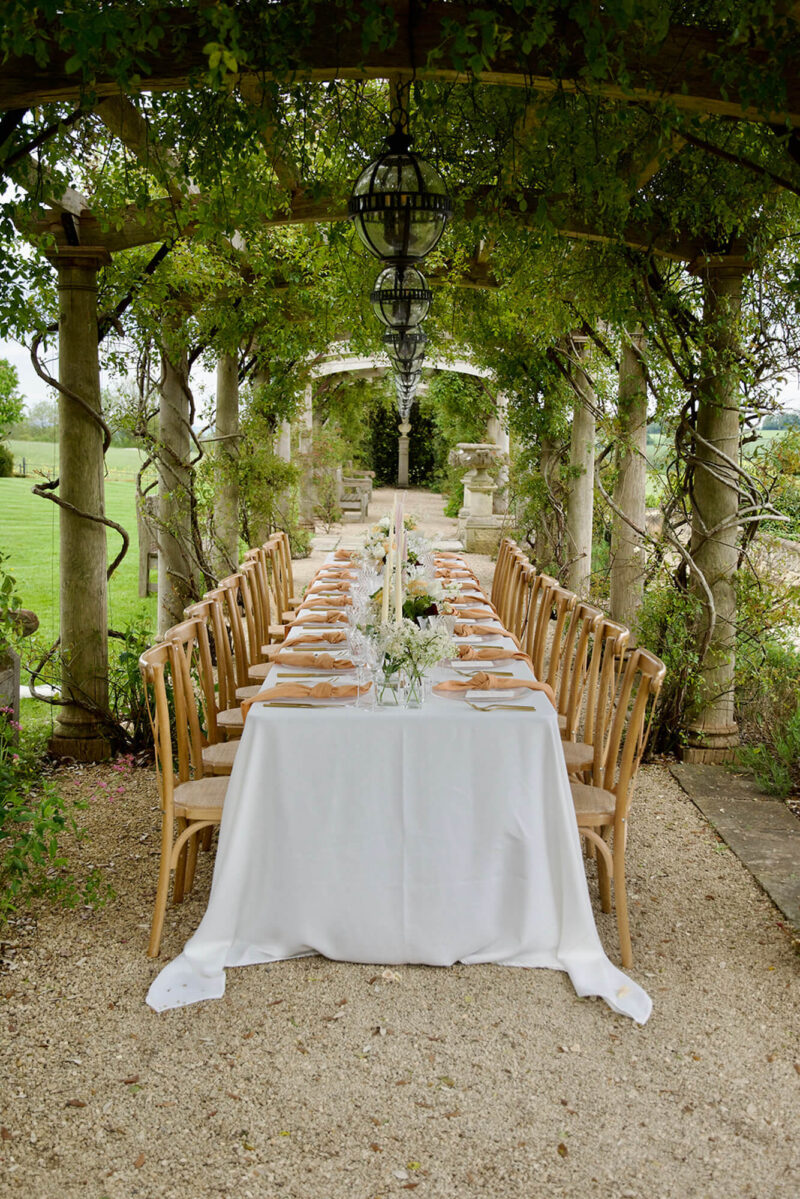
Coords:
580,500
549,526
175,555
79,733
712,729
627,547
226,514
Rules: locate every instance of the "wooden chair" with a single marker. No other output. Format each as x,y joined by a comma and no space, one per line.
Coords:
190,800
610,641
285,547
602,806
191,644
260,651
513,608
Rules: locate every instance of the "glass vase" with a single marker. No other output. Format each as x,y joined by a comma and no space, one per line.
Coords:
390,690
415,689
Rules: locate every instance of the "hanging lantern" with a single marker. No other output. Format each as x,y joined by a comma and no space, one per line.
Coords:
405,349
401,297
399,204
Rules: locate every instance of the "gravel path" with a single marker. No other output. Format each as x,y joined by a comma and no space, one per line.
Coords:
324,1080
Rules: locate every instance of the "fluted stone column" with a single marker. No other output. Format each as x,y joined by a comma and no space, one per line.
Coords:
404,428
627,548
580,500
713,734
80,733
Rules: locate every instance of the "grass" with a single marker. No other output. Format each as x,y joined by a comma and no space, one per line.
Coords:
29,534
42,456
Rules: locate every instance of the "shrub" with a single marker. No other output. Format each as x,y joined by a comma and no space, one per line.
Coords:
668,624
6,462
33,817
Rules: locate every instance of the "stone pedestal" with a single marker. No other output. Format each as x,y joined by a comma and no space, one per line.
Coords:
479,527
402,454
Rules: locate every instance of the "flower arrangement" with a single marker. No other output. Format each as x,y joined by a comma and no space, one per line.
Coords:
412,651
428,597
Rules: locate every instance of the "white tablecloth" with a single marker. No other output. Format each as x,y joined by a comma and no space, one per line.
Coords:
430,836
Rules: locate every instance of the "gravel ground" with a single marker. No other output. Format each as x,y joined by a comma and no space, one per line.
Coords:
324,1080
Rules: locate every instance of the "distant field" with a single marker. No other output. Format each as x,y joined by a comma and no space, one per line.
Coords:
42,456
29,533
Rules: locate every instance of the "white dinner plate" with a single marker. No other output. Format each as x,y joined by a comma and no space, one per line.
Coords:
501,696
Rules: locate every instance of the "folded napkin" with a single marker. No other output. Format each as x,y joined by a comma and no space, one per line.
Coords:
343,555
324,661
477,630
447,554
335,637
332,601
317,618
472,613
483,681
489,653
301,691
442,572
328,585
335,572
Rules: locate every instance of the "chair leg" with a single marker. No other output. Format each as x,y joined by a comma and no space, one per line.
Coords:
191,860
162,892
205,837
180,867
621,900
604,877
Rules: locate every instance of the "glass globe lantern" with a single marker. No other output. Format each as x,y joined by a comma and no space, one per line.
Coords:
401,297
405,349
399,204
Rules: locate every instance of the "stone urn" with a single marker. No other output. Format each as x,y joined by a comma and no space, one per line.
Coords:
479,528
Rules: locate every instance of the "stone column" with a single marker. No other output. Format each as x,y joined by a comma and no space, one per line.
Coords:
713,734
627,548
283,442
402,453
175,559
308,491
580,500
79,733
497,431
226,549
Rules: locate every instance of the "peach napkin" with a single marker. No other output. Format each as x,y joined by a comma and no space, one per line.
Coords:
476,630
328,585
447,554
317,618
444,573
292,691
324,661
489,653
472,613
483,681
333,601
335,637
343,555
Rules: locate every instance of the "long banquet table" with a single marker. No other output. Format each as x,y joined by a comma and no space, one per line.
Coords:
433,836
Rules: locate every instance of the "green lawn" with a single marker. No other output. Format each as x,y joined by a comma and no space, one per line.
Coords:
42,456
29,533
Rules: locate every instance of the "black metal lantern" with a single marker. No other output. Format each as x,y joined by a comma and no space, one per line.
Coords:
399,204
405,349
401,297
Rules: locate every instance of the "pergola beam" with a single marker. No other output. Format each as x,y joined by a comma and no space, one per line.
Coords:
678,69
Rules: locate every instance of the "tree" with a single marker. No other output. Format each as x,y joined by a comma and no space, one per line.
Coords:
11,401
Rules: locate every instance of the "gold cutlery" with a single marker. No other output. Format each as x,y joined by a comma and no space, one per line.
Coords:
501,707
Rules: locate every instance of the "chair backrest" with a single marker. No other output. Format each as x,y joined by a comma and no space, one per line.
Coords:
250,594
575,664
234,610
562,604
512,610
260,591
627,735
537,618
220,684
184,641
166,669
285,547
277,575
602,680
501,572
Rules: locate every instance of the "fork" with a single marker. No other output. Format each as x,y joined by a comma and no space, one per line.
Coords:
501,707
